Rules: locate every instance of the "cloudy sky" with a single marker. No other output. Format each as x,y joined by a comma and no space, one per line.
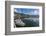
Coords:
27,11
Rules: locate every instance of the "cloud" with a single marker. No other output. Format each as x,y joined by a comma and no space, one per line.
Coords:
15,10
27,11
18,11
36,12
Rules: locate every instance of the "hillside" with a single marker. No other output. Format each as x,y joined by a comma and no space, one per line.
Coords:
25,15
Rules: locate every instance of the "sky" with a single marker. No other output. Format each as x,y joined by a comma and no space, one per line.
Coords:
27,11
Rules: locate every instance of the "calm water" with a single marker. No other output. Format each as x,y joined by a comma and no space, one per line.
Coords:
30,22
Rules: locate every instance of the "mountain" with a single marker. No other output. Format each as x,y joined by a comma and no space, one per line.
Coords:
25,15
